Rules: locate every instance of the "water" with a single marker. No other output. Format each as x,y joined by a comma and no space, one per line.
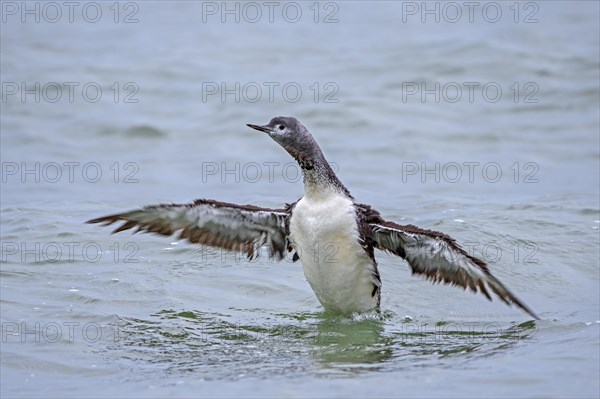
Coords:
513,175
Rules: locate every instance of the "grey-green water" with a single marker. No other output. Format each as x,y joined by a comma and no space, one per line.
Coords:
512,174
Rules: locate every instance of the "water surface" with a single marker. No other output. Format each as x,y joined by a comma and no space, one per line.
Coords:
513,176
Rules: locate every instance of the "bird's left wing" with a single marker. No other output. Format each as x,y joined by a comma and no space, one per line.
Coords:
437,256
243,228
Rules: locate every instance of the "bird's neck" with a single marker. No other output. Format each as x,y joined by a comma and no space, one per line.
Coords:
319,177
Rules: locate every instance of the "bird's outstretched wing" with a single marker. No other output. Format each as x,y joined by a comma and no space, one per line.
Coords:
437,256
243,228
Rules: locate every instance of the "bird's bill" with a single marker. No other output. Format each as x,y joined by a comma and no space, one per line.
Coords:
259,128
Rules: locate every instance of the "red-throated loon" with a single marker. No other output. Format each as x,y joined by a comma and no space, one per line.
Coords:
327,215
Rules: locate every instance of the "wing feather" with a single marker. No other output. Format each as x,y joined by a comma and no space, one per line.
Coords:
438,257
243,228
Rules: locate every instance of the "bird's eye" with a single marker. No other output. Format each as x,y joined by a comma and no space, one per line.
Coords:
281,127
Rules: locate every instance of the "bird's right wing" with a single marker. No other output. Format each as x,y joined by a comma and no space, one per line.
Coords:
436,256
243,228
440,259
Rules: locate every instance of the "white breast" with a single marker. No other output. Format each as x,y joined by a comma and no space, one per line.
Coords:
324,232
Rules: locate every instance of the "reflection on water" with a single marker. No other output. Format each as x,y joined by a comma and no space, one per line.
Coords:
212,347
